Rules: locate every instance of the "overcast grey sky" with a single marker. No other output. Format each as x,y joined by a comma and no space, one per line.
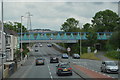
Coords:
51,14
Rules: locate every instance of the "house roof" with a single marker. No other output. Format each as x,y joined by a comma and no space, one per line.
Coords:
11,32
8,31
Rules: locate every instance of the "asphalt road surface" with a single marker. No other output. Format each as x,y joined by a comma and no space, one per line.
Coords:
30,70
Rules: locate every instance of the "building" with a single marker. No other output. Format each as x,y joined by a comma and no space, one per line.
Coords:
10,43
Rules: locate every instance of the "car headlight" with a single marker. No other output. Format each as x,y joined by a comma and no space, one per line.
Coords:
107,67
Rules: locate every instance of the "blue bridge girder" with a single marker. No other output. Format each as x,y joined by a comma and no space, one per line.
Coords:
60,36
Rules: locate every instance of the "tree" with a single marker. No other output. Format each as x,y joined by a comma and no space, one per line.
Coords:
105,21
87,27
70,25
115,40
92,38
16,26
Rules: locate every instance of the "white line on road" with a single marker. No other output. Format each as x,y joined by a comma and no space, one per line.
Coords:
50,72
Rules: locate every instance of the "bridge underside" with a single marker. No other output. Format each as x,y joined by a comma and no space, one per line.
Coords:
49,41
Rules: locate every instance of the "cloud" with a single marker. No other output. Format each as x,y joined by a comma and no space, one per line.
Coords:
61,0
53,14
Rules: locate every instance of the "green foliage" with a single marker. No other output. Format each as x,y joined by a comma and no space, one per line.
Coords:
113,54
115,40
16,26
105,21
84,50
70,25
92,38
17,54
25,51
87,27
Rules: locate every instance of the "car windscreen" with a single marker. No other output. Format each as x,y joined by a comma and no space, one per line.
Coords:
76,55
65,66
65,55
111,63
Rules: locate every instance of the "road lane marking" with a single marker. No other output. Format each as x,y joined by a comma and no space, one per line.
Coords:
49,71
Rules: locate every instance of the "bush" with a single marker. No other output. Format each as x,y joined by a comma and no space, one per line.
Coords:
25,51
113,54
84,49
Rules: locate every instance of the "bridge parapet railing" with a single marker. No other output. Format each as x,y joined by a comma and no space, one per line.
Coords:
64,36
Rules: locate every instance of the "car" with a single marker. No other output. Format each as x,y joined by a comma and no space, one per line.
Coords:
36,45
63,69
54,60
49,45
76,56
109,67
65,56
36,50
40,61
40,45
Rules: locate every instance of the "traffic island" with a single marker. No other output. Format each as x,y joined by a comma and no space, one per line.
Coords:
88,74
80,73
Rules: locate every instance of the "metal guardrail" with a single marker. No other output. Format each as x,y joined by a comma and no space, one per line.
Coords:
59,47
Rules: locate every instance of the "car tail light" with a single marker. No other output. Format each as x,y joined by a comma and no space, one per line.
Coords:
59,68
69,68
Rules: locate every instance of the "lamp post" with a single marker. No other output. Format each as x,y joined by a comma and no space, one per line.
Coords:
80,42
21,39
119,54
2,30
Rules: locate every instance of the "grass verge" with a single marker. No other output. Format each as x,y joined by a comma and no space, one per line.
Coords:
114,55
89,56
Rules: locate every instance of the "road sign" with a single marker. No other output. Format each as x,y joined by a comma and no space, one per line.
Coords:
21,50
68,49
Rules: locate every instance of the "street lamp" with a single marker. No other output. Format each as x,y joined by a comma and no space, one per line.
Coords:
80,42
2,30
21,38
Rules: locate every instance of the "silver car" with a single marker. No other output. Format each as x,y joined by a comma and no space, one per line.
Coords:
109,67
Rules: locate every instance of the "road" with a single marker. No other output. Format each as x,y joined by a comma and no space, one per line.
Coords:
30,70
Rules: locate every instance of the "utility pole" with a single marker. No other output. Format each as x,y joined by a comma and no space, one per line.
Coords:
119,54
29,27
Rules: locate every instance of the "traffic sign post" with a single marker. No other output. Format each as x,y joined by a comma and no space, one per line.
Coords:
68,50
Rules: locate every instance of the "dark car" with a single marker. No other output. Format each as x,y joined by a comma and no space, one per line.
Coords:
40,61
63,69
54,60
65,56
36,50
49,45
36,45
76,56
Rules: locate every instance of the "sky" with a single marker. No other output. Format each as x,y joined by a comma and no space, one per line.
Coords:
51,14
